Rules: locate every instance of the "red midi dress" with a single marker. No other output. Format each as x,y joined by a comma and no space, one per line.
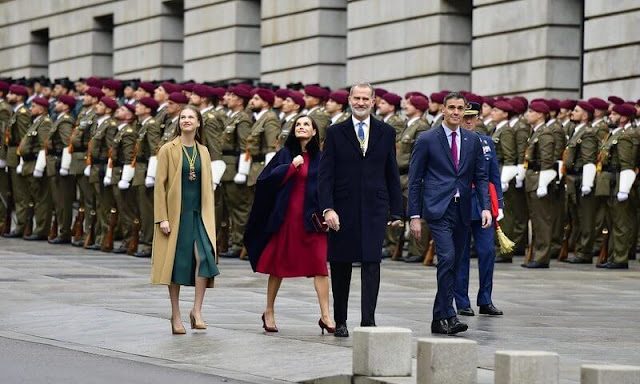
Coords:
292,251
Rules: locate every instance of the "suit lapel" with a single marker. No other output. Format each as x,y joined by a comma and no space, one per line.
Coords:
445,145
349,131
375,132
465,145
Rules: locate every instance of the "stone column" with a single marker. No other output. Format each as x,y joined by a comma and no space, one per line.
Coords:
611,49
221,40
147,40
409,45
527,47
304,41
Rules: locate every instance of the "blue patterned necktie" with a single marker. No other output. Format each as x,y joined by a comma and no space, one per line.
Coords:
361,135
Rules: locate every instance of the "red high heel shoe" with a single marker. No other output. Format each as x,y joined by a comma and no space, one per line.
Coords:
268,329
324,327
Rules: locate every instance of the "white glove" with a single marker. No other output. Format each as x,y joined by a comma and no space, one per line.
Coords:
19,167
65,162
500,214
268,157
38,173
244,165
586,190
3,163
519,183
217,170
127,173
541,191
153,165
521,172
240,178
123,184
107,178
505,186
87,170
622,196
41,163
149,181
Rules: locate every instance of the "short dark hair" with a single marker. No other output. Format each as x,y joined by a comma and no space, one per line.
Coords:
454,96
293,144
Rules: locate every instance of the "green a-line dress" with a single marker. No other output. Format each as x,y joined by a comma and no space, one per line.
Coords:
192,231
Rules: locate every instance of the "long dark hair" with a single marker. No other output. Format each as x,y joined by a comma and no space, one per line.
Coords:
199,131
293,144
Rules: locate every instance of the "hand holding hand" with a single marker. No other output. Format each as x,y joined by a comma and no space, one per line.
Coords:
332,220
416,227
164,227
297,161
486,218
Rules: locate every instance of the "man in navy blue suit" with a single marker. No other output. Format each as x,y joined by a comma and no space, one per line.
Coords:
483,238
359,194
445,162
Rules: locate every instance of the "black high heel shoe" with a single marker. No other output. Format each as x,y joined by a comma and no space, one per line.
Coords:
268,329
324,327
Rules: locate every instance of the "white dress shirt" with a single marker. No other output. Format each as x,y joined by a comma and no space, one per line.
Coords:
366,126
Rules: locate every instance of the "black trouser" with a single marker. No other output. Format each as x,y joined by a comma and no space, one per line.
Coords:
340,283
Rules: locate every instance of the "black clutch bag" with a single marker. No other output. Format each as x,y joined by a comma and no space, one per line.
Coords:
318,222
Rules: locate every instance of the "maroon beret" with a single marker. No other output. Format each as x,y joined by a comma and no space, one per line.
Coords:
131,108
419,102
624,110
94,82
598,103
297,98
246,86
638,102
568,104
241,92
150,102
539,106
218,92
4,86
109,102
178,97
66,99
392,98
95,92
437,97
188,86
586,106
265,94
503,105
488,100
517,105
379,92
41,101
523,100
19,90
147,86
282,93
409,95
615,100
171,87
112,84
202,90
316,91
342,97
553,104
473,98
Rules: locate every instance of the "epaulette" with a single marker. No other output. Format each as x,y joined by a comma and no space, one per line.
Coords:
22,110
113,123
151,121
129,130
47,118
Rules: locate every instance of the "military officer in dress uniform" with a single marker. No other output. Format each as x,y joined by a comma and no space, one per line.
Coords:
379,92
436,107
540,164
145,89
314,97
63,188
564,116
487,121
177,101
336,106
161,94
263,141
111,88
5,117
580,168
389,109
291,107
34,159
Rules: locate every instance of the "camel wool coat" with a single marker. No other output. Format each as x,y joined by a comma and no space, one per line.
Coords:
167,202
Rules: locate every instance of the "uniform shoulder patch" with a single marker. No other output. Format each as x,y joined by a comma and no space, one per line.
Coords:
22,110
152,121
129,130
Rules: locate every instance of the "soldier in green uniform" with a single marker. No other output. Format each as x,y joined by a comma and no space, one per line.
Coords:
291,107
314,98
336,107
263,140
540,174
389,109
144,89
123,160
177,100
618,158
14,132
487,121
33,155
580,168
237,195
5,116
436,107
63,188
564,116
161,94
111,88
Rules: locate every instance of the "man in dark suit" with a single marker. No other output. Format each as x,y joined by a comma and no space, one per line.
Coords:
445,162
359,191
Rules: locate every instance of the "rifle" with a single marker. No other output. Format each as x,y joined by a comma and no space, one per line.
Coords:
8,202
564,251
107,243
78,225
223,238
604,251
431,253
53,231
90,239
135,239
529,256
28,227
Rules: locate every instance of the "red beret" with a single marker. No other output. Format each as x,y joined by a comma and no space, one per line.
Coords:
95,92
69,100
598,103
241,92
94,82
41,101
638,102
379,92
517,105
539,106
586,106
392,98
409,95
503,105
297,98
246,86
523,100
171,87
178,97
188,86
265,94
282,93
553,105
202,90
150,102
624,110
473,98
19,90
488,100
4,86
147,86
316,91
342,97
615,100
437,97
218,92
112,84
568,104
109,102
131,108
419,102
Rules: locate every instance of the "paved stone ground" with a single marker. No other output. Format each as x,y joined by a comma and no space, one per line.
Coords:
102,304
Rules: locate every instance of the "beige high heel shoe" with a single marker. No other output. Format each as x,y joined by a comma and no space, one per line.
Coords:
194,324
179,330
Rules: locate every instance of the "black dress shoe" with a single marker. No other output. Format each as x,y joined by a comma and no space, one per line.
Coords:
440,326
35,237
603,265
455,326
59,240
618,266
144,253
577,260
519,252
94,247
466,312
490,309
231,254
503,260
341,331
534,264
386,253
121,249
413,259
79,243
12,235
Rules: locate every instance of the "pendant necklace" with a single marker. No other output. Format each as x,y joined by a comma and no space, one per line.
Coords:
192,162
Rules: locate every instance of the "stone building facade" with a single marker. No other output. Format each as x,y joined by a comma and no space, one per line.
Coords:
559,48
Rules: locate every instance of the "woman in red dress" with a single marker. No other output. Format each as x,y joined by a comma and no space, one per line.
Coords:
281,238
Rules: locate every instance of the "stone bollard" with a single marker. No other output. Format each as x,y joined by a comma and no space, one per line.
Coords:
526,367
609,374
447,361
382,351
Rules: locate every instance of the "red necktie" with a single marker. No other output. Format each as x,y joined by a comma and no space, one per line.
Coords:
454,150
